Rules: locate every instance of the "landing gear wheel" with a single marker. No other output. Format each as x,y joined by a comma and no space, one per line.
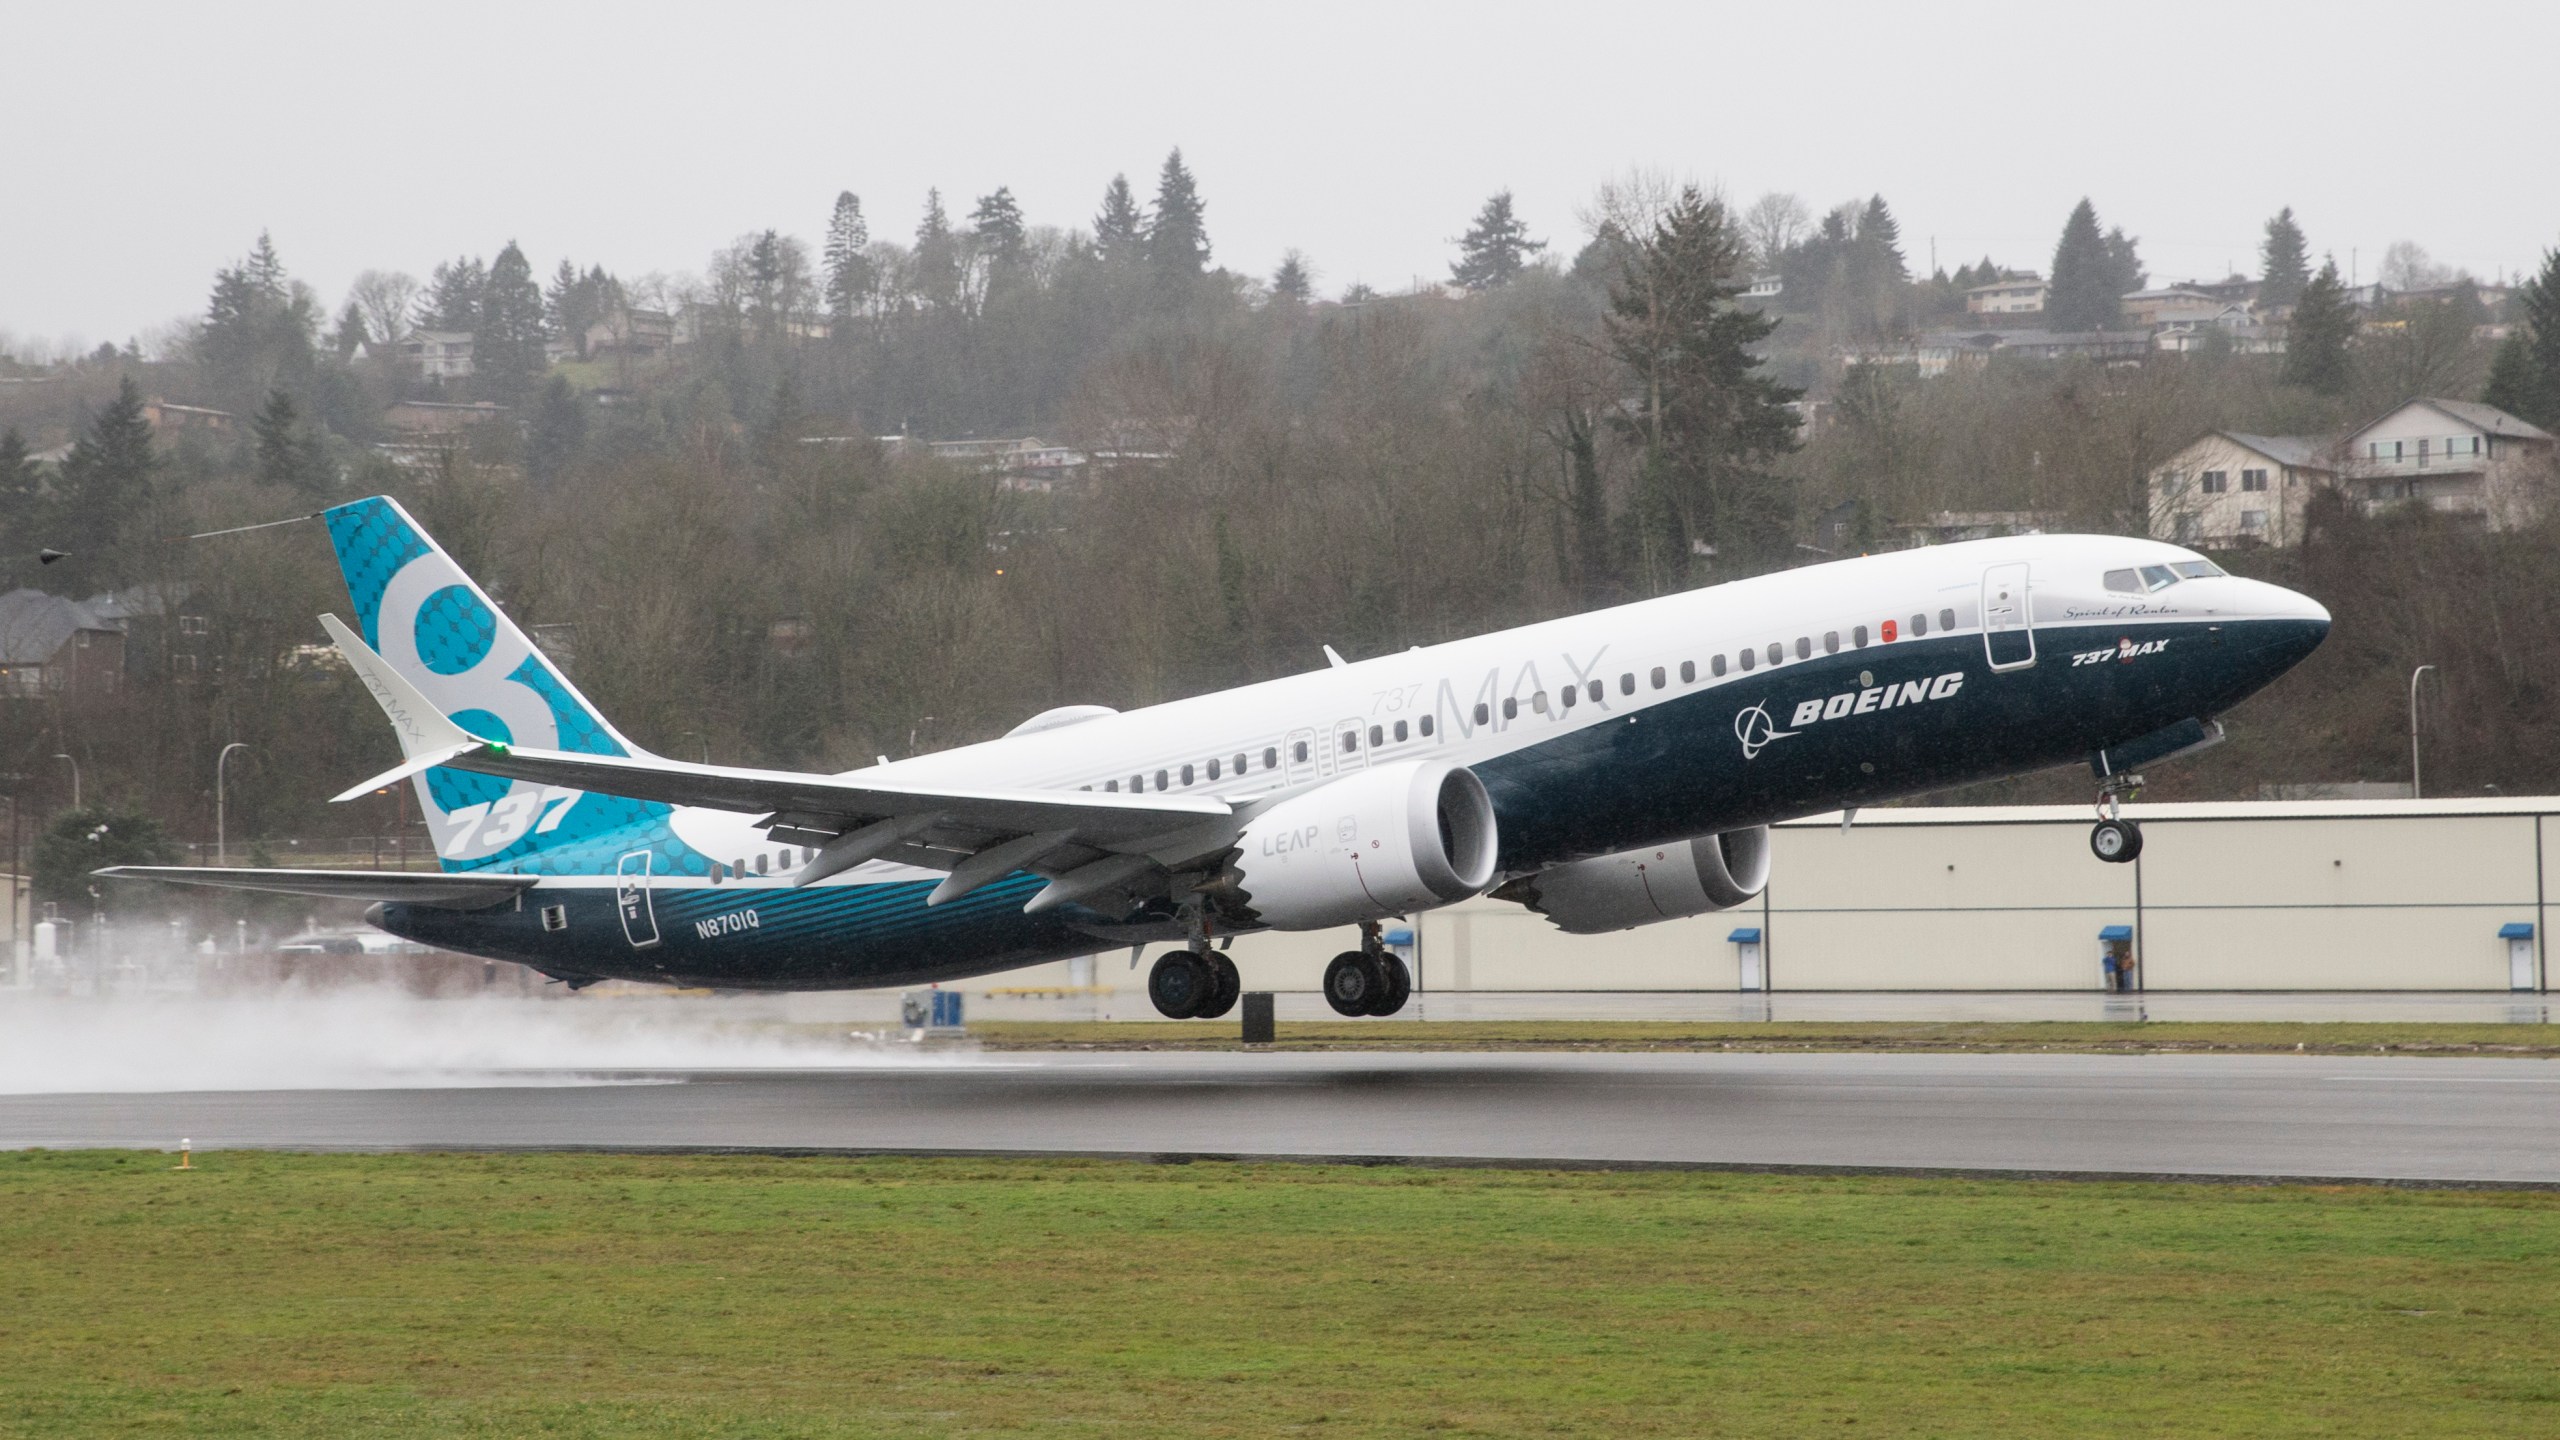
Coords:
1224,986
1397,989
2115,841
1179,985
1353,983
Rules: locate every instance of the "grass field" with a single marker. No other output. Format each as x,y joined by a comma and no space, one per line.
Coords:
2085,1037
297,1295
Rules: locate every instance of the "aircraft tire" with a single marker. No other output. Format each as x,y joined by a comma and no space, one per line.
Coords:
1397,989
1224,986
1352,983
2115,841
1179,985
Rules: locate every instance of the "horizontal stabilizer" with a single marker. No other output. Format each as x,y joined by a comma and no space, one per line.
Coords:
406,887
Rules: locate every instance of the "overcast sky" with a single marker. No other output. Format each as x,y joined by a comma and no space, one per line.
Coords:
144,145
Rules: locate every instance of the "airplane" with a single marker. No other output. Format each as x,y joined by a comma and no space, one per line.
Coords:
1609,769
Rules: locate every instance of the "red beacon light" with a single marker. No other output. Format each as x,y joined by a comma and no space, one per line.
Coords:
1890,631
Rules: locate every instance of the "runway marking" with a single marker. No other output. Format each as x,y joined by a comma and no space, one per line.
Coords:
2447,1079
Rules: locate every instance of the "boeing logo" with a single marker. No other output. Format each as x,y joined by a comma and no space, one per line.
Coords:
1755,730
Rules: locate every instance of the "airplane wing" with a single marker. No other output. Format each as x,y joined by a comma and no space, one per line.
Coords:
1087,841
409,887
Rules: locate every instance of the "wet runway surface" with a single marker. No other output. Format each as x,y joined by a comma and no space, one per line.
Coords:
2231,1116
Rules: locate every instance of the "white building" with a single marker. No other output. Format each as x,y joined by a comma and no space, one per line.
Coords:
2023,295
2454,456
2228,488
438,354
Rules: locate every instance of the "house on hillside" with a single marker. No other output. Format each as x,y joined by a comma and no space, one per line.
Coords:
439,417
438,354
2454,456
1929,355
51,646
2017,295
167,629
2150,309
2228,489
2107,347
166,419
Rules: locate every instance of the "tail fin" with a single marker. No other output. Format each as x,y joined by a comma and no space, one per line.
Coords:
429,621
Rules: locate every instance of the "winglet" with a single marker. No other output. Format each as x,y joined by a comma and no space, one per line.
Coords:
428,737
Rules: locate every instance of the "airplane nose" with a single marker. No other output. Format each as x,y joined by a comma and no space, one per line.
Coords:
2263,601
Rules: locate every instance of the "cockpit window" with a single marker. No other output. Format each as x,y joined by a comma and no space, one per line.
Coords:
2144,580
2197,569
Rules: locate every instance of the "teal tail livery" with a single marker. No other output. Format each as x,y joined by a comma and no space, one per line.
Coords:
1604,770
433,625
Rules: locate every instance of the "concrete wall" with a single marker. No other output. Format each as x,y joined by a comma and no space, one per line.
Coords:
2320,895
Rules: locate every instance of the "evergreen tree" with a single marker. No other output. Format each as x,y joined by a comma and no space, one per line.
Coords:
2125,274
849,272
350,335
106,479
1177,240
1708,422
1880,239
2515,382
289,452
997,222
506,346
937,255
258,329
22,497
1496,248
88,839
2083,294
2324,320
575,303
2284,261
1119,230
452,301
1292,282
2538,300
557,433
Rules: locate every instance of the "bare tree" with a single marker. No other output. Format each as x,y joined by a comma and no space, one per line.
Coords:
383,297
1773,225
2408,266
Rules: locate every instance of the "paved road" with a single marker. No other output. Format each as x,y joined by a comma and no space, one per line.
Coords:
2401,1119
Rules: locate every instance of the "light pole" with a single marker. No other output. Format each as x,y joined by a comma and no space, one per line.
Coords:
75,778
2414,792
221,816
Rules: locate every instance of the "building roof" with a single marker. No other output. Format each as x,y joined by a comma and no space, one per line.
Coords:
2488,418
2299,451
34,625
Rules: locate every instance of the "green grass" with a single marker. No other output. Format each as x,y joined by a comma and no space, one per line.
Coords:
293,1295
2087,1037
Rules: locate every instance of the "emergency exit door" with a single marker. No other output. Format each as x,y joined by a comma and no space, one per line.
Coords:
2008,629
631,897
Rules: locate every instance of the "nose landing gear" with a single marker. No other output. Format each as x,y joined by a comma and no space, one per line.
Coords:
2115,839
1368,981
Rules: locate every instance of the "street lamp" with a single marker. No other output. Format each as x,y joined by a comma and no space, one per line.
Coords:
75,778
2414,792
221,817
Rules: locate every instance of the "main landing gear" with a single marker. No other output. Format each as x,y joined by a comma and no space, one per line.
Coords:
1368,981
2115,839
1196,983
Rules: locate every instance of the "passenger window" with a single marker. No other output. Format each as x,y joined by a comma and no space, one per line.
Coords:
1137,784
1715,665
1749,659
1112,786
1777,652
1484,712
1660,679
1830,642
1377,737
1426,726
1599,688
1568,695
1538,701
1350,741
1804,647
1400,732
1689,670
1213,767
1919,626
1271,758
760,859
1163,781
715,872
738,867
1627,682
784,860
1858,636
1186,774
2123,582
1299,752
1946,619
1510,708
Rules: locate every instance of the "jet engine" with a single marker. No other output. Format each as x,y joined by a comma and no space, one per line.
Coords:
1409,836
1658,882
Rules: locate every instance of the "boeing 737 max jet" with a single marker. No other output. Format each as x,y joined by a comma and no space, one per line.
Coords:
1606,770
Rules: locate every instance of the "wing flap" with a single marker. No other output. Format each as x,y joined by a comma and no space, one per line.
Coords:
408,887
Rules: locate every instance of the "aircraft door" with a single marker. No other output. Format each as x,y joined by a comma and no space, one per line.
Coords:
2008,628
631,897
1298,756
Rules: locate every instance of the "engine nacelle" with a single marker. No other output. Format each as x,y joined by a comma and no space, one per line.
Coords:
1659,882
1389,841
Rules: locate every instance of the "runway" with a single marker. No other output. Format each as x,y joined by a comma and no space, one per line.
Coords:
2312,1117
